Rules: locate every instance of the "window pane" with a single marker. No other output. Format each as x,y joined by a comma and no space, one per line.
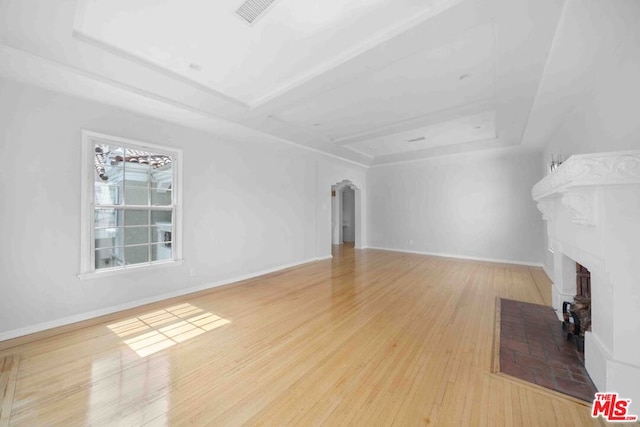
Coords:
136,235
136,175
160,252
161,218
115,174
162,234
108,237
136,168
107,258
107,194
108,164
160,197
136,254
107,218
136,217
109,174
161,172
136,196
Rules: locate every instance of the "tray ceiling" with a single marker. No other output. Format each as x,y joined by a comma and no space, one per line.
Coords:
293,40
354,79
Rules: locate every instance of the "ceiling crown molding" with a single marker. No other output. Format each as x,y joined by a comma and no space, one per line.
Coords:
26,67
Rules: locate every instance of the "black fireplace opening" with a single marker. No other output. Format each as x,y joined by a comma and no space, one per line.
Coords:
577,313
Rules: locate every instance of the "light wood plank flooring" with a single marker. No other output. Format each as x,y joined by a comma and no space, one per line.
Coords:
367,338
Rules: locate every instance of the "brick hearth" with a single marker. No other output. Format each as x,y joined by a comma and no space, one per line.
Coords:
534,348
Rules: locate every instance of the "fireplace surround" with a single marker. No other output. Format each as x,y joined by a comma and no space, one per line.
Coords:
592,207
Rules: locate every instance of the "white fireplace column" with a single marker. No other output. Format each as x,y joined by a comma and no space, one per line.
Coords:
592,207
563,280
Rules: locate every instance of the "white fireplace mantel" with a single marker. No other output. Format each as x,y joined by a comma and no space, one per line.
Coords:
592,207
590,170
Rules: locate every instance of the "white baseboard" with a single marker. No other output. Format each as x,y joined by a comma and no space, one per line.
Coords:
549,274
15,333
457,256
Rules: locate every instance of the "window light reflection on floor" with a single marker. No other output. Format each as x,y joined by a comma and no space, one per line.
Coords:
164,328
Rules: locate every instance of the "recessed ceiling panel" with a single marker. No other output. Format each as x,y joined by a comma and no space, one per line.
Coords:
456,131
458,72
207,42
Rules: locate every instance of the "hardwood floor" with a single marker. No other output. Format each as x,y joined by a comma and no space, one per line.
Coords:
367,338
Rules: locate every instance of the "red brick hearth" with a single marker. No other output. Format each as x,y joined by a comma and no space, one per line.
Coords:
534,348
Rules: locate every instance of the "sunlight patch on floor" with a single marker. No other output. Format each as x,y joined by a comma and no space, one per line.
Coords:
160,329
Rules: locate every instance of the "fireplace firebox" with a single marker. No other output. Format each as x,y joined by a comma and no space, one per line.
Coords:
577,313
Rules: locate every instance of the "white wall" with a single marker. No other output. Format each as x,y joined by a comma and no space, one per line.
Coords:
336,210
248,207
605,117
471,205
349,214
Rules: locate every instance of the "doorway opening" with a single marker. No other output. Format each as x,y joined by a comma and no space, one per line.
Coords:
345,214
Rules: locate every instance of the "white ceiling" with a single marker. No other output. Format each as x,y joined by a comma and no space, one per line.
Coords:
355,79
477,127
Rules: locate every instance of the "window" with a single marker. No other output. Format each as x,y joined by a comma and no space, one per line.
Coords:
131,209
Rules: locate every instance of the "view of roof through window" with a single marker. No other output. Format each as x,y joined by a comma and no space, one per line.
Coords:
110,155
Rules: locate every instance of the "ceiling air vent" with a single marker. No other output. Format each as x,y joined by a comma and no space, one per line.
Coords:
421,138
251,10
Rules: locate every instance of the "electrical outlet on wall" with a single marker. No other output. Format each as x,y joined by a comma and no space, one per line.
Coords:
192,272
410,242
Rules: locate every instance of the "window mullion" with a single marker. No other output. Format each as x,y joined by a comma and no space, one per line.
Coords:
124,176
123,245
149,233
149,209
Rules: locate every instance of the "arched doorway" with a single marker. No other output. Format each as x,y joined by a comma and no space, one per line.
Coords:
345,213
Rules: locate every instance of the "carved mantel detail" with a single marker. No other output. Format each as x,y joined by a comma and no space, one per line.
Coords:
575,181
581,205
591,169
546,208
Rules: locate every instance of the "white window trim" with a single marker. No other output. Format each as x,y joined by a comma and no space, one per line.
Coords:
87,266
